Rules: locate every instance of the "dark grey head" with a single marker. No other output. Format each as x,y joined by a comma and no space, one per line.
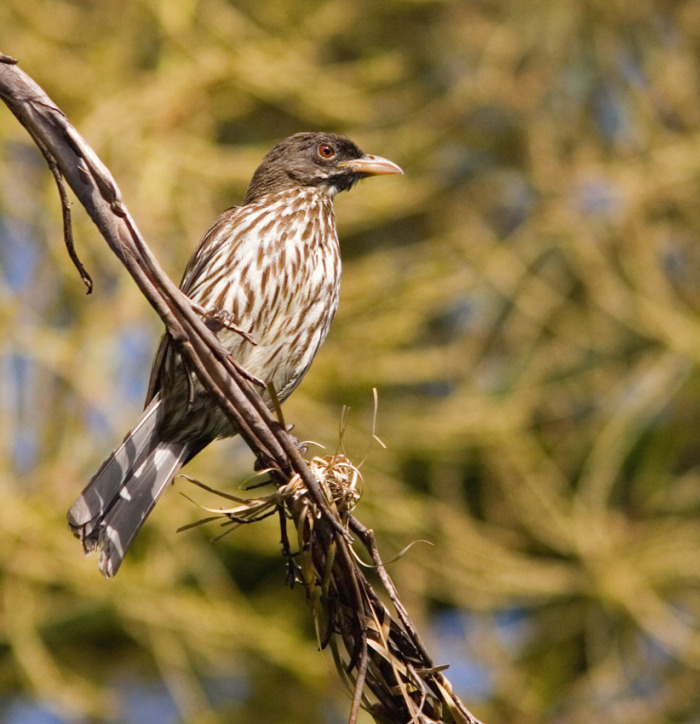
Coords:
315,159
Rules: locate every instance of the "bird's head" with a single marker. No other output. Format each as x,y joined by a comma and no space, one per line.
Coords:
325,160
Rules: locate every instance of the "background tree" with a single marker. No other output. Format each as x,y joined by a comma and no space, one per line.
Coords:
525,299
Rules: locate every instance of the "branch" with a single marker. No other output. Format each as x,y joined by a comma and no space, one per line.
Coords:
98,192
383,654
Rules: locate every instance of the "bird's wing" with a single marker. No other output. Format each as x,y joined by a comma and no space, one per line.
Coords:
156,368
207,248
198,263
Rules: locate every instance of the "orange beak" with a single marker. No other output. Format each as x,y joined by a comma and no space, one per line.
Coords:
371,166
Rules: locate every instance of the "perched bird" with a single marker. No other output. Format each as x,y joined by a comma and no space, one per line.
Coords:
272,267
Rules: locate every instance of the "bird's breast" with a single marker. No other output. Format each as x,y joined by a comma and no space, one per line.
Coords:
278,275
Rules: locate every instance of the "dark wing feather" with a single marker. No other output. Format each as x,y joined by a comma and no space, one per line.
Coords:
154,381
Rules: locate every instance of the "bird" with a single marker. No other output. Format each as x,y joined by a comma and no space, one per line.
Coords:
266,276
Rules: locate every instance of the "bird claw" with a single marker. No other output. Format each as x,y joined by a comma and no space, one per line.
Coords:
217,318
300,446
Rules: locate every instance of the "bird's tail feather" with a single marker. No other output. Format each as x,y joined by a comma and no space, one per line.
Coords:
116,502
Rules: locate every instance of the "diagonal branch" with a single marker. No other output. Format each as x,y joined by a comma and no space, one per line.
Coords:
383,655
97,190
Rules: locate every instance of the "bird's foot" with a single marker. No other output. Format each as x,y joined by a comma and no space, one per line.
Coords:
300,446
216,319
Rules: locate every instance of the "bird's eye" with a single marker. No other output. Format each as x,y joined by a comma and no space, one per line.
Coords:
326,151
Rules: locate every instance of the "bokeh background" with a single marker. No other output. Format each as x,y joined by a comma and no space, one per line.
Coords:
525,299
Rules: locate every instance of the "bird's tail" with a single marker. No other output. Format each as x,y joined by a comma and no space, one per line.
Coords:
116,502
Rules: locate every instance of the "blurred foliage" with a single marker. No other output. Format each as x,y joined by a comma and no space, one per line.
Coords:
525,299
